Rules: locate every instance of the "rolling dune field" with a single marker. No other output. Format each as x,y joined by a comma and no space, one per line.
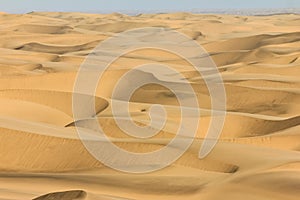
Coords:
42,157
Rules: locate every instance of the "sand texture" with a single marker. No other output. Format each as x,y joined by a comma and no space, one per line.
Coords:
257,155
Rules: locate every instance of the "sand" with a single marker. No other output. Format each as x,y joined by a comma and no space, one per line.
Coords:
257,155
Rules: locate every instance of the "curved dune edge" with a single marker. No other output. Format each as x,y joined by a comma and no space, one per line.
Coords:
293,166
250,126
54,153
32,112
37,47
76,195
66,195
59,100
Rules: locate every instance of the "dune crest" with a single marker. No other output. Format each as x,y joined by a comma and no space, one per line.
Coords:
67,195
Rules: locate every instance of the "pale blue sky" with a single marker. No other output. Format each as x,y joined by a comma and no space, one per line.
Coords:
17,6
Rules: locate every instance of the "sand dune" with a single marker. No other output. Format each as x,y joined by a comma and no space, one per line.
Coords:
68,195
116,27
43,29
42,156
53,49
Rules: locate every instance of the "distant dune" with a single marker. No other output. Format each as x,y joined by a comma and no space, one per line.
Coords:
257,155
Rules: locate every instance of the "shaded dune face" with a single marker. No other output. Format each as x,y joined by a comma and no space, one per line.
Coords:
67,195
43,158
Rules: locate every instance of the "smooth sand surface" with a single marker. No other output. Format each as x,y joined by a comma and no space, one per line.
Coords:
257,155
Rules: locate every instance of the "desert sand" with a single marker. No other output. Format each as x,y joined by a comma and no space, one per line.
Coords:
256,157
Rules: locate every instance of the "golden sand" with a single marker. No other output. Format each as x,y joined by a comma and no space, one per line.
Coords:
257,156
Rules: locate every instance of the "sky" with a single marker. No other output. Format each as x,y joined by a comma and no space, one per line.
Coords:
24,6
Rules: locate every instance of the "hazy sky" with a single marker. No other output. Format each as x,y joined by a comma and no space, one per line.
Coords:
14,6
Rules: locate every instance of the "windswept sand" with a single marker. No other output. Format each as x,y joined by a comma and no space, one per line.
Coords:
257,156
